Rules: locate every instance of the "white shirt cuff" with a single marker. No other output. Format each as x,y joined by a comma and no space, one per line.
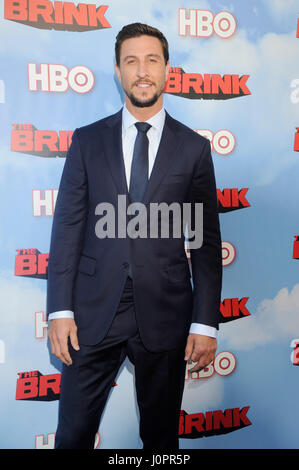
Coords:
61,314
205,330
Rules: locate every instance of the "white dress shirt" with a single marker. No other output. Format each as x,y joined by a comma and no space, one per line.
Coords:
129,133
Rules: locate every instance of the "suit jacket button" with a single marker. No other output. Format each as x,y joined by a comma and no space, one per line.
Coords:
125,264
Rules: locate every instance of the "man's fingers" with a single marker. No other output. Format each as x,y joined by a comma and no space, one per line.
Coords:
74,339
61,350
202,360
201,364
202,357
53,345
201,350
189,347
59,332
64,351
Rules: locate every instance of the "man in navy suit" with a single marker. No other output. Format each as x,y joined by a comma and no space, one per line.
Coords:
115,296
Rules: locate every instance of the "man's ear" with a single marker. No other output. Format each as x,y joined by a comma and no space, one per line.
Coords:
167,70
117,71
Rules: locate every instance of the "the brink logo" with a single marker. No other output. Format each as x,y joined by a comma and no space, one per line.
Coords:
65,16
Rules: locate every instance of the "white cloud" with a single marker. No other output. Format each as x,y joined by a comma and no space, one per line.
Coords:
20,299
13,32
279,8
268,113
224,7
275,319
255,10
202,394
11,161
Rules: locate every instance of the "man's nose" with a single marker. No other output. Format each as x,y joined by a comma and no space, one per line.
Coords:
142,70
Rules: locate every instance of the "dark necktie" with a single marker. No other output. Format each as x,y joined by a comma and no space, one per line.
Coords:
139,168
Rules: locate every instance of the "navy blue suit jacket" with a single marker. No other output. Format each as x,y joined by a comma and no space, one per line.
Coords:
87,274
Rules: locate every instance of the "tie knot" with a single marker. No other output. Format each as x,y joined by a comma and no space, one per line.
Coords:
142,126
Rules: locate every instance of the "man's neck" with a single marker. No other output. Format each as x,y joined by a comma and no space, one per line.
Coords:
144,114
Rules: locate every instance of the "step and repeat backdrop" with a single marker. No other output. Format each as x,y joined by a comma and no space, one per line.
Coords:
235,80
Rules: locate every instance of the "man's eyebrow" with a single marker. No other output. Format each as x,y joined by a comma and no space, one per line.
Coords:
154,55
148,55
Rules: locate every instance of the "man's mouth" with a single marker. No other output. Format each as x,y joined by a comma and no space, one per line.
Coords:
143,85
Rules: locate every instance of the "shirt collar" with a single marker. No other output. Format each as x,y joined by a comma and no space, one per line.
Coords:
156,121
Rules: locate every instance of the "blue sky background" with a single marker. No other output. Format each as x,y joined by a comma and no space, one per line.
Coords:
265,47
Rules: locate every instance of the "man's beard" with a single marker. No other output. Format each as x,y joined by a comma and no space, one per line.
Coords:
143,104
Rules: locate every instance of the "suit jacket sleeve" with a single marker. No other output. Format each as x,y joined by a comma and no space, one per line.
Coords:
67,230
206,261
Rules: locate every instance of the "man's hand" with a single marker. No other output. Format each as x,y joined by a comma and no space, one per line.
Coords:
200,349
59,331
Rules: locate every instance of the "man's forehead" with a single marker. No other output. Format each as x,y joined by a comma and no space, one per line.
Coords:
141,46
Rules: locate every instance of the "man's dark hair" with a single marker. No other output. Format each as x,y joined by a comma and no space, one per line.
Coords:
135,30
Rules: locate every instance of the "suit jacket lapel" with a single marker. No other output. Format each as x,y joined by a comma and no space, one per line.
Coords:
165,158
111,140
